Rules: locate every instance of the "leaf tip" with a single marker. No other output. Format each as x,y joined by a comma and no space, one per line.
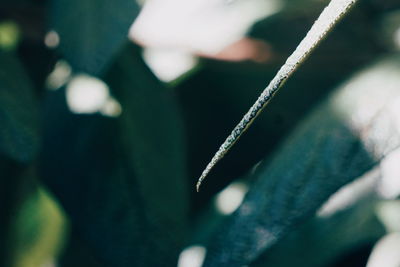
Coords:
198,184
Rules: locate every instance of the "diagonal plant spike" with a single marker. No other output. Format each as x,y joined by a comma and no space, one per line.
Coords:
328,18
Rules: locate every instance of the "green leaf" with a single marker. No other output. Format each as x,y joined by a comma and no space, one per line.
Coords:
19,137
91,31
345,137
323,239
83,164
38,230
121,180
19,142
319,242
152,132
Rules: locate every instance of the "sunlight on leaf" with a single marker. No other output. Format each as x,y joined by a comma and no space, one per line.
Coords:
60,75
40,229
87,94
9,35
192,256
231,197
52,39
385,252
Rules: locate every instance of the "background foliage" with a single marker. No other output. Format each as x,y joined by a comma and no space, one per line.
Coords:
116,188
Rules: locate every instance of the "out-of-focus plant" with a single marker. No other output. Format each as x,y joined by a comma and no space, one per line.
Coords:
99,158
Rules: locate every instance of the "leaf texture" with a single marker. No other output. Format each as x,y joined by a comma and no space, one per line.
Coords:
345,137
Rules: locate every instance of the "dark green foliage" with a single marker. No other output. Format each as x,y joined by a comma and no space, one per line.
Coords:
125,184
87,172
19,136
314,243
152,133
99,30
123,174
19,143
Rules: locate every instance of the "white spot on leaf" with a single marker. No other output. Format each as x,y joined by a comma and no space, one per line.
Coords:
192,256
231,197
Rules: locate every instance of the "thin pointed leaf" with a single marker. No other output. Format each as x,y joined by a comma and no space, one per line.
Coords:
333,12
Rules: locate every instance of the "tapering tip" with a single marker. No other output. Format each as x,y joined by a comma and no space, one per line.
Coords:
199,182
198,187
220,153
208,168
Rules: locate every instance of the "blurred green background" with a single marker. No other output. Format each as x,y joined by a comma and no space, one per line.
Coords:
110,110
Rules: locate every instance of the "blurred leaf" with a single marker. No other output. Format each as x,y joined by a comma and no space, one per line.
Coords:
123,188
9,35
19,142
345,137
91,31
19,137
323,239
83,164
38,231
152,133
